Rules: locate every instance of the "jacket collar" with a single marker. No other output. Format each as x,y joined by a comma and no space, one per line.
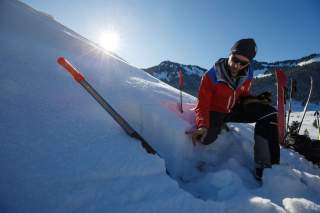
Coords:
223,74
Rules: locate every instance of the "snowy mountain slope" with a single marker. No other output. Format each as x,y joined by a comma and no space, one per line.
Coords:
168,71
310,61
60,152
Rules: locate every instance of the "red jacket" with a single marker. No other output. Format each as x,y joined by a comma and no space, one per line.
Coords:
219,93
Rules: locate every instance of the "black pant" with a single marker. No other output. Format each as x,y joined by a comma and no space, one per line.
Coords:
266,149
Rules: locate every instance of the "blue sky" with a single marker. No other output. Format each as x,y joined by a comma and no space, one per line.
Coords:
193,31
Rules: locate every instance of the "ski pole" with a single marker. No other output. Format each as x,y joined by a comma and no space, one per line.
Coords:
181,87
289,108
117,117
306,106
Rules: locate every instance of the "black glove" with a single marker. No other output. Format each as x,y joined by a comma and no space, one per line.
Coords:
265,97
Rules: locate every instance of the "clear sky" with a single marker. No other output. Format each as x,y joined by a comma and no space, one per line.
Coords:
194,32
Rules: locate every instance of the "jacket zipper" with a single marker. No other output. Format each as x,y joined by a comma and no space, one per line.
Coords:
234,99
228,106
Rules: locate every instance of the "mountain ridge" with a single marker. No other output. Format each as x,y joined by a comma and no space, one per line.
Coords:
168,72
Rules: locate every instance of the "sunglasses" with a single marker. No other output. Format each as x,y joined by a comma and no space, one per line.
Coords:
238,61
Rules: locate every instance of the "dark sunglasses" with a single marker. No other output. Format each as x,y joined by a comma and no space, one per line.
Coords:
238,61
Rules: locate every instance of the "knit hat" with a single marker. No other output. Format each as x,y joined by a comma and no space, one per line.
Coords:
246,47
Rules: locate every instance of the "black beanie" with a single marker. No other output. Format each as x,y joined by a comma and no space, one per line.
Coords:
246,47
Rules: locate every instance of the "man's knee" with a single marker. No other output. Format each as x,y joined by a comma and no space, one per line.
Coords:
266,135
266,125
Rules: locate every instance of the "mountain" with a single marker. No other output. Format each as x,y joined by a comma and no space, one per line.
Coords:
265,68
168,72
300,72
61,152
298,69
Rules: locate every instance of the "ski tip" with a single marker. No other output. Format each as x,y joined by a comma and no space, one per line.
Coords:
281,76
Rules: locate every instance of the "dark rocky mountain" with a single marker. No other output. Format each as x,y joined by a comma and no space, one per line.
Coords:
299,70
168,72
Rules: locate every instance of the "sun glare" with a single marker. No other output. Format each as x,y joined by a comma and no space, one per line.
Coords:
109,40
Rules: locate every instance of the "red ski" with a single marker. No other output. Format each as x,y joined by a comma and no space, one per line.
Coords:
281,83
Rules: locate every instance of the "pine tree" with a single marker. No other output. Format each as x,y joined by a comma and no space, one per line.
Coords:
293,128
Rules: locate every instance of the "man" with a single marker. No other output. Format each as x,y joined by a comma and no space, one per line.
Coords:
224,96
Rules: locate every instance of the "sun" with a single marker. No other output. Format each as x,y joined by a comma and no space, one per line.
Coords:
109,40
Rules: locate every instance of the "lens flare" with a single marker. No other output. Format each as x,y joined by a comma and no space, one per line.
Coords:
109,40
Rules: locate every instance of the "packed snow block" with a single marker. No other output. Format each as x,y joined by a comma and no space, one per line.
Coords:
138,98
165,132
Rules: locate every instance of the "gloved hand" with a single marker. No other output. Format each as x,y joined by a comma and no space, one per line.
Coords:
199,135
265,97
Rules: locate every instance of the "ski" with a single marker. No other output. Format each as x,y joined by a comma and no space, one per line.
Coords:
76,74
289,108
281,83
306,105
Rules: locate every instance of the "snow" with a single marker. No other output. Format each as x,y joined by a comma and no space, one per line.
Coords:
61,152
297,114
262,75
163,76
313,60
295,205
259,72
192,70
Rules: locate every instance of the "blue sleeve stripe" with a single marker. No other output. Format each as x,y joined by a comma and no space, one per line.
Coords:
212,75
250,73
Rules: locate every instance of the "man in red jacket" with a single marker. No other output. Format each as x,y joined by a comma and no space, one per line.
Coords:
224,96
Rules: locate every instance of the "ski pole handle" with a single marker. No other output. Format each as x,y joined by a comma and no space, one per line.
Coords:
71,69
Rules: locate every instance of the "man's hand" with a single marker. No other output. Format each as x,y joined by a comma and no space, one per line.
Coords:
264,98
199,135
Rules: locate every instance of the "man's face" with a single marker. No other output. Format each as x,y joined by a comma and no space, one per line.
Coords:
236,63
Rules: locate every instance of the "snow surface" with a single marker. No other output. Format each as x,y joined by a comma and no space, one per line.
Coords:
193,70
163,76
259,73
61,152
166,75
317,59
307,124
